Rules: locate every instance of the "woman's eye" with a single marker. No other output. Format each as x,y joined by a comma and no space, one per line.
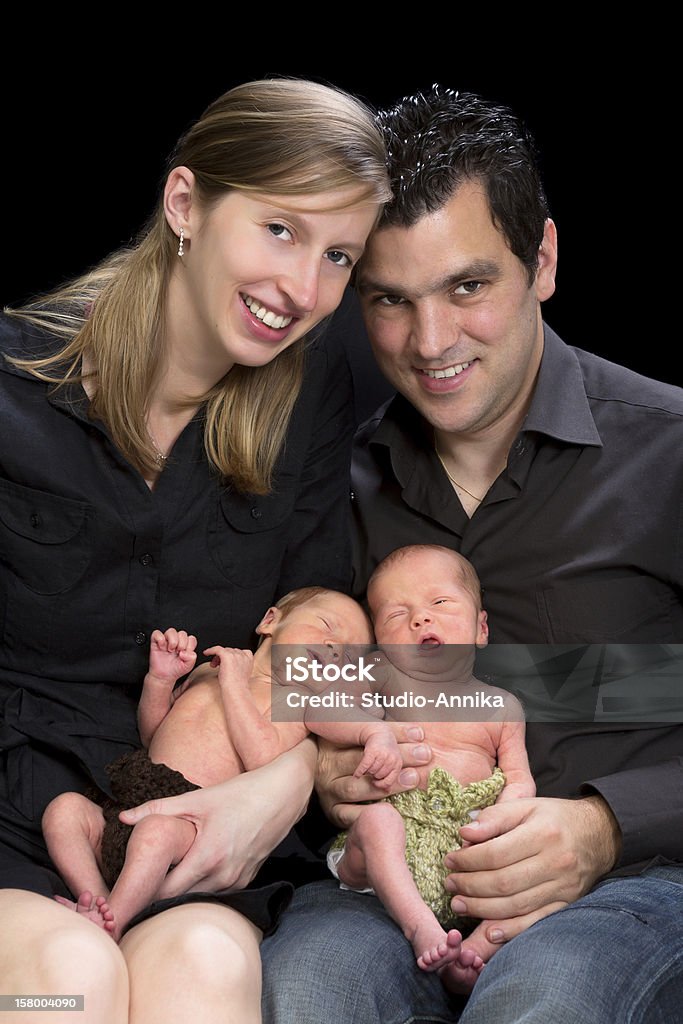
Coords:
280,231
336,256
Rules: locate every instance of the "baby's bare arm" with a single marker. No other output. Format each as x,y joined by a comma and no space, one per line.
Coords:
381,755
172,655
256,739
514,763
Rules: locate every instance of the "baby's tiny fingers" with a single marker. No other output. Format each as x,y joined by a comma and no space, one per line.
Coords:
171,639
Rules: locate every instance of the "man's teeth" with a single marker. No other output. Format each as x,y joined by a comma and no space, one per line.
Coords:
266,315
450,371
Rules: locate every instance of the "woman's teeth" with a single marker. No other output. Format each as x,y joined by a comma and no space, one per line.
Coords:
268,317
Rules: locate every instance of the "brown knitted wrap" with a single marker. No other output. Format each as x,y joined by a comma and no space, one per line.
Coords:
134,780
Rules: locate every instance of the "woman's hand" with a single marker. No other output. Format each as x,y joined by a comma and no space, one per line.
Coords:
238,822
341,793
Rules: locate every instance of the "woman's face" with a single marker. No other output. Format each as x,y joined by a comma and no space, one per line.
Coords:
259,271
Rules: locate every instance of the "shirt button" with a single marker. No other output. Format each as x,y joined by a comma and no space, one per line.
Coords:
256,512
35,520
140,638
146,559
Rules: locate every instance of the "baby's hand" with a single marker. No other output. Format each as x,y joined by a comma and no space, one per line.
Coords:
381,758
171,655
232,663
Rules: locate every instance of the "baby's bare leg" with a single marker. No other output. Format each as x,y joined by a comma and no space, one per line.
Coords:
73,827
156,844
375,856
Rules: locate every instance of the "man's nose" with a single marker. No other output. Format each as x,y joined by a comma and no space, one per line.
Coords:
435,331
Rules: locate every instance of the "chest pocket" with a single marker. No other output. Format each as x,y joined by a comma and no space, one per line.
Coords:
632,609
43,537
248,535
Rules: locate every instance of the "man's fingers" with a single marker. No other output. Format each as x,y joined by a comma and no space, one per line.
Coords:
494,823
519,904
488,937
346,814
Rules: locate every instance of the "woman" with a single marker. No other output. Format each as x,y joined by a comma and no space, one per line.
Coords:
174,452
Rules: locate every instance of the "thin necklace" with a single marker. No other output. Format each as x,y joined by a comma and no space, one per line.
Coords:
452,478
159,456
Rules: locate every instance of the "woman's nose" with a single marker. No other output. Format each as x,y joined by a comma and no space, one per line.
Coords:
302,282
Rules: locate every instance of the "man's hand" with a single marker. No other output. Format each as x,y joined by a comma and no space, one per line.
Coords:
526,859
341,793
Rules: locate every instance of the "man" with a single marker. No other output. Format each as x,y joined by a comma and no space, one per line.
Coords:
559,476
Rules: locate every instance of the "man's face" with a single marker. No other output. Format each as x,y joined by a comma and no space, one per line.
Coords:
453,322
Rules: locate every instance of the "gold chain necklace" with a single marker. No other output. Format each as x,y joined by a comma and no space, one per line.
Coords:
452,478
159,456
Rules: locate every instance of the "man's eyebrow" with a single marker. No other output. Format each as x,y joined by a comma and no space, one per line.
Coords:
472,272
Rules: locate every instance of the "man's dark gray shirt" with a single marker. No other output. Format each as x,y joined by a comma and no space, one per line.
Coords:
579,540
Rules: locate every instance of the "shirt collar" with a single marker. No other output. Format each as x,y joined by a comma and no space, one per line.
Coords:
22,339
559,407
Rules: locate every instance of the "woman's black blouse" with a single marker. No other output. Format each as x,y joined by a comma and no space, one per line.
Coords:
91,561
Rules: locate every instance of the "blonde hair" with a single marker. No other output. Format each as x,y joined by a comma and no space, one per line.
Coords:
284,136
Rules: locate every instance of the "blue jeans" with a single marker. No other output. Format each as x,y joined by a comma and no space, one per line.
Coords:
613,957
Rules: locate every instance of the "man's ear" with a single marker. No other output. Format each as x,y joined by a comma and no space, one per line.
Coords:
547,262
178,200
270,619
482,630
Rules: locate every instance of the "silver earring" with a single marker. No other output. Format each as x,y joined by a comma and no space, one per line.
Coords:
180,244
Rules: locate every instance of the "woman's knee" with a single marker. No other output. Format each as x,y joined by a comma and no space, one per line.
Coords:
57,947
214,945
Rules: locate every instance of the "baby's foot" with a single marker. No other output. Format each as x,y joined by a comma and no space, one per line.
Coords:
447,951
96,910
460,974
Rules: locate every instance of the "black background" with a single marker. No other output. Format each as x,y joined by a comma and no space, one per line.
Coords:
89,121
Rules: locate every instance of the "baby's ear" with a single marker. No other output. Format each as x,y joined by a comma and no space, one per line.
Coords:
482,630
270,619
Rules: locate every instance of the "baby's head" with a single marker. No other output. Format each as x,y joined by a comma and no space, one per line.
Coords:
315,615
429,595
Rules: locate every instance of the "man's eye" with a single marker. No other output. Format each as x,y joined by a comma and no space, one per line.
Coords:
280,231
468,288
390,300
339,258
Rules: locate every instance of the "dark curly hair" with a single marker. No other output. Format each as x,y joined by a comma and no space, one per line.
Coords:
437,140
